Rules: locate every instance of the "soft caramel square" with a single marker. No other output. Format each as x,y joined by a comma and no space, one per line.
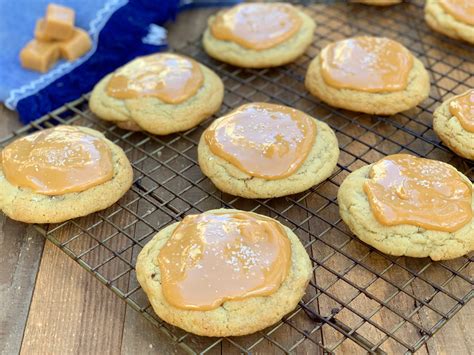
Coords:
40,33
75,47
39,55
58,22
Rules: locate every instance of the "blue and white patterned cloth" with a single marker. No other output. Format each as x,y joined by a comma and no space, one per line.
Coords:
120,30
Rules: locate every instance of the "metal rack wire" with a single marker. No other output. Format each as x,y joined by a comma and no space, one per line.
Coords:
358,298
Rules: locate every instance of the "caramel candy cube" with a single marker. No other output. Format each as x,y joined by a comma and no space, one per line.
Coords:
40,33
75,47
39,55
59,22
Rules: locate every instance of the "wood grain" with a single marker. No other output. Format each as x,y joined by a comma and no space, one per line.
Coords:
21,248
20,253
71,312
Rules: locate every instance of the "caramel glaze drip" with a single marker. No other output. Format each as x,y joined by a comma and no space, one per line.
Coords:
257,26
169,77
370,64
403,189
264,140
216,257
461,10
462,107
57,161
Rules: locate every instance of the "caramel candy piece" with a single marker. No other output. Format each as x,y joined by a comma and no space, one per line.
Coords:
169,77
214,257
462,107
39,55
58,22
461,10
75,47
264,140
257,26
40,33
57,161
370,64
403,189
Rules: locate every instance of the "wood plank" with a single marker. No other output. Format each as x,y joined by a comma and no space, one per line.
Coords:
139,335
71,312
9,121
142,337
20,252
456,336
189,26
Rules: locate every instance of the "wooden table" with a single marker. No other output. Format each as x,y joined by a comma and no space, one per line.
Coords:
49,304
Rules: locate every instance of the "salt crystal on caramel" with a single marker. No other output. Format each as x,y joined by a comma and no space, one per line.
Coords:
39,55
75,47
58,22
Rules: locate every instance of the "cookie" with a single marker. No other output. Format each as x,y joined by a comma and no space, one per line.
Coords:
163,93
315,165
451,132
400,94
100,190
233,317
441,20
402,239
269,43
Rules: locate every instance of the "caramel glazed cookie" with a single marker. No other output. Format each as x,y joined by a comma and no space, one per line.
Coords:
453,122
403,205
263,150
256,272
61,173
453,18
161,93
258,35
375,75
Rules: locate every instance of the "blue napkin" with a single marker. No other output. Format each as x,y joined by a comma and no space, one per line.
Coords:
120,31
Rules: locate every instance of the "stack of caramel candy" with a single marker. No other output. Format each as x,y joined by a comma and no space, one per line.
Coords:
55,37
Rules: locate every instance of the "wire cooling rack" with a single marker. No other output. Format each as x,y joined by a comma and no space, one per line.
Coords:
358,299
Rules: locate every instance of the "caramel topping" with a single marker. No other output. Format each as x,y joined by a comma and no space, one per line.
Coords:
216,257
169,77
371,64
403,189
461,10
462,107
257,25
264,140
57,161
